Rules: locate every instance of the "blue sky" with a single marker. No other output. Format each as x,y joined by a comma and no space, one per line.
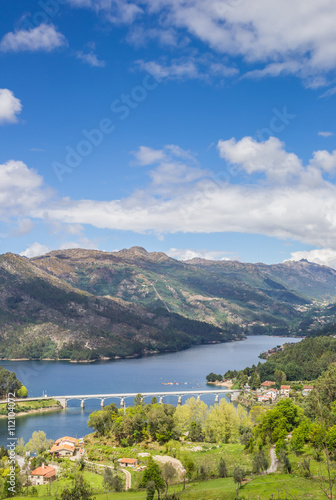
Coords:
191,127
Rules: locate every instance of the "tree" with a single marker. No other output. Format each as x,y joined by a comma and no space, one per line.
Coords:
189,467
79,490
194,410
154,401
22,392
259,463
38,443
238,475
108,479
153,473
222,469
168,474
283,457
139,400
150,490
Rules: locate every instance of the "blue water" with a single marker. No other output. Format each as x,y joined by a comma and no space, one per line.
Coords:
189,368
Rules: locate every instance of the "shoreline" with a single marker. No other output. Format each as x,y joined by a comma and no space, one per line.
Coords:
35,411
143,355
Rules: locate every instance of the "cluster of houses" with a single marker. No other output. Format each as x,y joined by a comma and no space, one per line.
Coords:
268,393
67,447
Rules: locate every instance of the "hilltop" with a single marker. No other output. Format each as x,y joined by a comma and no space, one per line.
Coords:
88,304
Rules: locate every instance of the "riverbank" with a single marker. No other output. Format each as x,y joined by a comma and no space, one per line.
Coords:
31,407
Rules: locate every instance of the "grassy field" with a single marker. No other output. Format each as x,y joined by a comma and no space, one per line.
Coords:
277,486
31,406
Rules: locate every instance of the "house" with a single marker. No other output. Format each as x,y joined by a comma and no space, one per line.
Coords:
65,447
271,394
307,389
285,390
43,475
267,384
128,462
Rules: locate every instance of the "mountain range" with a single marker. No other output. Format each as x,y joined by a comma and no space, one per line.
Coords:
87,304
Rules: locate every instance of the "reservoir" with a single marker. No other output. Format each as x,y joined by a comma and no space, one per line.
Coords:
186,370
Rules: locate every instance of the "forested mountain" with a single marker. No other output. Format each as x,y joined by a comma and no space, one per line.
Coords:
44,316
87,304
210,291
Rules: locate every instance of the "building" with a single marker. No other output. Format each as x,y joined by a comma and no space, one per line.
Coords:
267,384
128,462
65,447
285,390
271,394
43,475
307,389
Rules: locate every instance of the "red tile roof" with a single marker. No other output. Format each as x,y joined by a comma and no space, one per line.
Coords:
285,387
308,387
45,471
127,460
268,383
58,447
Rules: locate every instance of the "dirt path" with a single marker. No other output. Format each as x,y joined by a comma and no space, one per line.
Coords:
274,461
128,479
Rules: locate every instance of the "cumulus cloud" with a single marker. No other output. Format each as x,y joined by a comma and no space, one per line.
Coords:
188,254
10,106
322,256
91,59
281,197
21,189
24,226
42,38
148,156
35,250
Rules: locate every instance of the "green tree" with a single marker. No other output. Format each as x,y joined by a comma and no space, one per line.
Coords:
22,392
153,473
168,474
79,490
259,463
139,400
38,443
238,475
222,469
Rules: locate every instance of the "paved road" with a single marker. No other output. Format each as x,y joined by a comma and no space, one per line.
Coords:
274,461
128,479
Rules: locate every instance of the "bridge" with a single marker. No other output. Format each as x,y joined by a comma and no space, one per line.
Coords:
123,396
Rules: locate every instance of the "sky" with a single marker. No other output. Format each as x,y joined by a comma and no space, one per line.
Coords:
193,127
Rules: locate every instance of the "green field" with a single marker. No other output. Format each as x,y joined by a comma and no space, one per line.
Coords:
28,406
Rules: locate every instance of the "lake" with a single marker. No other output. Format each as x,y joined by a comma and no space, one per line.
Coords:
187,368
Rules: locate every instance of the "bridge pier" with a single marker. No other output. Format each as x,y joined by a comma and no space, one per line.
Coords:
198,398
63,402
179,400
83,404
122,403
102,403
216,399
160,400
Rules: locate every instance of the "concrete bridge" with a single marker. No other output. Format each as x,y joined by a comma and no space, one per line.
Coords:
123,396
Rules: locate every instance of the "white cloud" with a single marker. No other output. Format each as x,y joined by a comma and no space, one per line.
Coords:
35,250
323,256
42,38
325,134
269,157
115,11
188,254
24,226
148,156
91,59
10,106
282,197
204,68
21,189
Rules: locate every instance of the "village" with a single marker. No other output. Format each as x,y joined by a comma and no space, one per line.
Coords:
268,393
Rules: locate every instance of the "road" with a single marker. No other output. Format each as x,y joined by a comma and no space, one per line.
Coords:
274,461
128,479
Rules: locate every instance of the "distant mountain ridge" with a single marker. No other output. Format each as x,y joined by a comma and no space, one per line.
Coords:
84,304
